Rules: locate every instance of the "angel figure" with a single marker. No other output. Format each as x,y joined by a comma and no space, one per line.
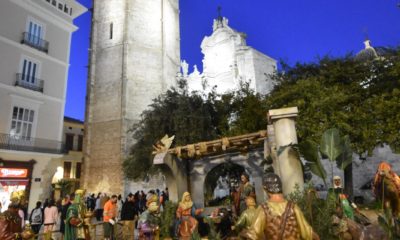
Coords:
164,144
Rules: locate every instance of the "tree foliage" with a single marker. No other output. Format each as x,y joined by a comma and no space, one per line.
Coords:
360,99
187,116
192,117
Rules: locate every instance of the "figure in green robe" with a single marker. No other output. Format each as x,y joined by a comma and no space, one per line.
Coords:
246,219
75,227
336,197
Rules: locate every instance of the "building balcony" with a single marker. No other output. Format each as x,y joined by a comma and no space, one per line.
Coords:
29,82
35,42
29,144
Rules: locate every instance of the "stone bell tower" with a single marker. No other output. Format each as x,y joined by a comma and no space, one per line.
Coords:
134,57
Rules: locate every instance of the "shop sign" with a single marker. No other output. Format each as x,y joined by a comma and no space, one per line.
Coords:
13,173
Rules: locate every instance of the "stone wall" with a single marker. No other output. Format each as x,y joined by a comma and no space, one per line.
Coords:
363,170
151,182
134,58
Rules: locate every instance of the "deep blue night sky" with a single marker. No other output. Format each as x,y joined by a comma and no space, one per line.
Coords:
290,30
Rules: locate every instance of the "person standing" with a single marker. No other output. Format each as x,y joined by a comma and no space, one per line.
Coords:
21,214
103,200
120,202
64,208
46,203
129,210
109,217
36,217
50,216
91,202
279,218
166,192
97,208
142,202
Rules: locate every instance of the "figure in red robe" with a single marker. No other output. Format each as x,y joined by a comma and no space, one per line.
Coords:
185,214
10,223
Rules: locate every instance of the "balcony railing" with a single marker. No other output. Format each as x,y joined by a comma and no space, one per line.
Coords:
28,144
25,81
35,42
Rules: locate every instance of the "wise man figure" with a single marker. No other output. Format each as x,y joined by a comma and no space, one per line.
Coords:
11,223
386,187
187,224
149,222
278,218
245,190
75,225
247,217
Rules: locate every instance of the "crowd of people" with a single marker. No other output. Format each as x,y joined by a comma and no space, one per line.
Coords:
109,209
50,216
133,205
74,215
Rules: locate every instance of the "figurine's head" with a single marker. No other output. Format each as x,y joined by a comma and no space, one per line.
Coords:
78,196
250,202
186,197
272,183
80,192
244,177
153,207
337,182
17,199
186,201
15,203
153,198
384,167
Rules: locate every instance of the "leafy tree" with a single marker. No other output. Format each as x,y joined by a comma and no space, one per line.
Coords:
360,99
187,116
242,111
192,117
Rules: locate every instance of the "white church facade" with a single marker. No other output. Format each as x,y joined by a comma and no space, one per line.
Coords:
228,61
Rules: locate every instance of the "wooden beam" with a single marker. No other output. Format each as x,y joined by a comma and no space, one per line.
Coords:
235,143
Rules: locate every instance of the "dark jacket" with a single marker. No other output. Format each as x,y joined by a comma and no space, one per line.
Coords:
128,211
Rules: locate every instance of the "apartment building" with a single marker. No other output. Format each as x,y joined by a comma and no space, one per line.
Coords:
70,164
35,39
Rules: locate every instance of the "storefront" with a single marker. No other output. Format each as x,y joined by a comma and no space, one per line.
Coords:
14,176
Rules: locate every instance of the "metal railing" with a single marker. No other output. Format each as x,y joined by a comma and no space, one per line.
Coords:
35,42
25,81
122,230
29,144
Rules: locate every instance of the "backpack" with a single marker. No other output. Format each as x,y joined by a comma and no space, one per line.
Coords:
37,216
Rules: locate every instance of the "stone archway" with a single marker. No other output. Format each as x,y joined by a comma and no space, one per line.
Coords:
199,169
220,182
174,171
